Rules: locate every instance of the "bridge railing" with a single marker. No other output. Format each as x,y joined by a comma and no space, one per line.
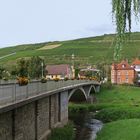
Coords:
12,92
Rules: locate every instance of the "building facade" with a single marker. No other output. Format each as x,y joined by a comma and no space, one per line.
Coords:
136,65
122,73
59,71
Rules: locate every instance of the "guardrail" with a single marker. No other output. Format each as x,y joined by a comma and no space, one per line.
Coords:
12,92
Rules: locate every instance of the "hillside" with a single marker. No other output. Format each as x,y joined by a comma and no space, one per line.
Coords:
91,50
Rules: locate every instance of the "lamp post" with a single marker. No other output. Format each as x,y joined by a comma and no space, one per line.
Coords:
73,56
73,70
42,68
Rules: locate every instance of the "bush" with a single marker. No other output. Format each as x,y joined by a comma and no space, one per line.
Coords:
107,85
64,133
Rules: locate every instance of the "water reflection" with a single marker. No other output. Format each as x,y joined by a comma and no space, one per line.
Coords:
86,127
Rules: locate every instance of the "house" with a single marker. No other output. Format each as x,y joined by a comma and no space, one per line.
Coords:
122,73
88,73
59,71
136,65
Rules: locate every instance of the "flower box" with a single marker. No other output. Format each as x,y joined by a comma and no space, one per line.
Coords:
22,81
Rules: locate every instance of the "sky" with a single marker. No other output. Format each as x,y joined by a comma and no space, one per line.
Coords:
34,21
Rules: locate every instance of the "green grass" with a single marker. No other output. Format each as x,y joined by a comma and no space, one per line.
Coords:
117,96
119,109
125,95
121,130
120,103
65,133
91,50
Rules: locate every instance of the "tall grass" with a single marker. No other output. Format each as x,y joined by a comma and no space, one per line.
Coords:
121,130
64,133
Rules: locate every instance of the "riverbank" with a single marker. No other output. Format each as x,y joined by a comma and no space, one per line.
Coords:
64,133
121,130
115,105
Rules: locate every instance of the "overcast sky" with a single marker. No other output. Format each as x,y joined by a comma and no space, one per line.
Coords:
32,21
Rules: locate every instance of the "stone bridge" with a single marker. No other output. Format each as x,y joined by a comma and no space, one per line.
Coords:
30,112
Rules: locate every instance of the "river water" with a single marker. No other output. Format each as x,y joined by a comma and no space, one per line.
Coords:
86,126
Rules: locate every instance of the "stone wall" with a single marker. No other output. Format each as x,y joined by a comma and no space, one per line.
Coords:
25,122
34,121
43,117
6,126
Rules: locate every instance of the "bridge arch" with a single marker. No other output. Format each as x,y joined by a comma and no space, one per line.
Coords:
90,89
72,92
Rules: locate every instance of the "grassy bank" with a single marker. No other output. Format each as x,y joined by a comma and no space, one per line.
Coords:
121,130
114,97
125,95
64,133
118,105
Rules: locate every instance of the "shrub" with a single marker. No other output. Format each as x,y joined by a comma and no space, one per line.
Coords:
107,85
118,113
64,133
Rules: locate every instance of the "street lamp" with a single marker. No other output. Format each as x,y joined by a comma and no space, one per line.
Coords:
73,70
73,56
42,68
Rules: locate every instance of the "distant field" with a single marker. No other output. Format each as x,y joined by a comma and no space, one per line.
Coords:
47,47
91,50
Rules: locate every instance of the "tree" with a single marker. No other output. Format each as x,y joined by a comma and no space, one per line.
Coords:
22,68
35,67
1,72
122,12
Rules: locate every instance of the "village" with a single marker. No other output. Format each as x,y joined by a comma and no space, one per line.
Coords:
121,73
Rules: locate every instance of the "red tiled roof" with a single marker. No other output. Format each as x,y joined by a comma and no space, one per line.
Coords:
136,62
57,69
123,66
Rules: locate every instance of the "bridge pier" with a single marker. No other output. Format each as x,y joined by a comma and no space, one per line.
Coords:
98,88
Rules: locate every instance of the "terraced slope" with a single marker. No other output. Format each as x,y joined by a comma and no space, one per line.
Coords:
86,50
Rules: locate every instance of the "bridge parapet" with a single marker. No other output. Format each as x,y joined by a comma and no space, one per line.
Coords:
12,92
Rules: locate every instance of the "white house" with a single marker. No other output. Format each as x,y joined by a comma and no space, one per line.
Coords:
59,71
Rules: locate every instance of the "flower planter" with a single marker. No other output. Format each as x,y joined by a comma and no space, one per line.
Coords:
43,80
22,81
56,79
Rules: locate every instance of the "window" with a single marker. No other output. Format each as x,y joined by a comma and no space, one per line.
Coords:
123,66
118,80
113,72
126,72
119,73
126,80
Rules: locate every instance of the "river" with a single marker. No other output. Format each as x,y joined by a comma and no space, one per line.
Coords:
86,126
